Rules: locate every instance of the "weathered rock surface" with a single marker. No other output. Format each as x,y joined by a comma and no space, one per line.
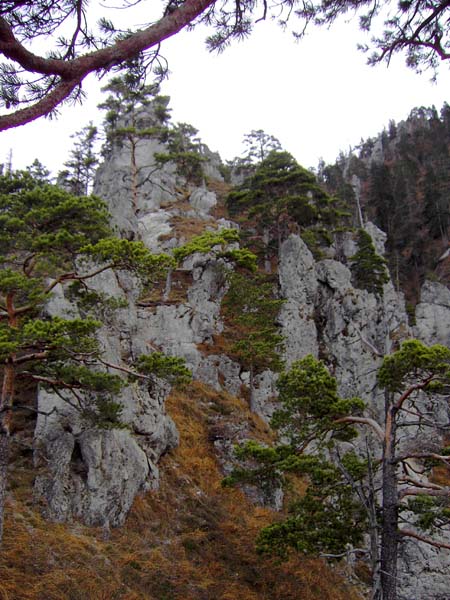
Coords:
325,315
433,314
91,473
95,474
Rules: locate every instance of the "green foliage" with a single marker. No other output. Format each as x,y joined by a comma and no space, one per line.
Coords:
413,362
67,373
38,172
250,311
50,237
280,193
263,472
242,257
310,404
189,164
48,224
129,255
124,117
55,334
340,503
82,162
312,240
185,150
368,267
171,368
206,242
406,194
325,520
90,301
328,516
259,145
431,512
105,414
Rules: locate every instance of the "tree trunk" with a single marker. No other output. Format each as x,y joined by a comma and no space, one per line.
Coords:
134,174
5,417
4,459
389,532
168,286
373,531
266,239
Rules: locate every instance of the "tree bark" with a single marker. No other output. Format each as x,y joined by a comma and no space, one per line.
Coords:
6,403
389,530
376,593
266,240
5,417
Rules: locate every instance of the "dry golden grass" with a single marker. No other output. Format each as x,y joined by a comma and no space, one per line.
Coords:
191,540
441,475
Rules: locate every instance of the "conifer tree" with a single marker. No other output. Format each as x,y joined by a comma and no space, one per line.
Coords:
79,175
368,268
341,503
280,194
250,311
34,85
50,238
126,122
185,150
259,145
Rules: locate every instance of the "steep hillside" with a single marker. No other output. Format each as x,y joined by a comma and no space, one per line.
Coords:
191,539
401,181
264,273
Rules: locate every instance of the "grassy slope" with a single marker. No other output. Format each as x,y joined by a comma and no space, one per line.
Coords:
192,539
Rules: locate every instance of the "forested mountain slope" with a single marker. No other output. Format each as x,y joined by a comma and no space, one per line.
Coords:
401,180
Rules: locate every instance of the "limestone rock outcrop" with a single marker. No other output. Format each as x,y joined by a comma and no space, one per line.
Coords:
95,474
91,473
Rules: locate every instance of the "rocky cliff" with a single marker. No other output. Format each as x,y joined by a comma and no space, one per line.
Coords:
95,475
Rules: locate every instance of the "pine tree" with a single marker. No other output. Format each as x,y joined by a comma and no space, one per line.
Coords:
250,311
185,150
127,123
340,503
259,145
79,175
50,238
368,268
279,194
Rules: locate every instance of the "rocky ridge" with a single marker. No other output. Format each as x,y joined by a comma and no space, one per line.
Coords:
95,475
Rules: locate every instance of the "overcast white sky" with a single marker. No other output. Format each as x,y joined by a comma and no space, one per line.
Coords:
317,96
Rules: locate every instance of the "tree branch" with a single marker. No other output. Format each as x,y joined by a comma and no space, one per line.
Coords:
420,491
364,421
423,485
124,369
33,356
413,388
72,72
441,457
421,538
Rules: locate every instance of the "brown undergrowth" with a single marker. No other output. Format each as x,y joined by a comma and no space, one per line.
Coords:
190,540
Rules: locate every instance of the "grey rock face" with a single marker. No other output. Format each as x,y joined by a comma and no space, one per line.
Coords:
326,316
203,200
180,329
351,329
90,473
433,314
95,474
423,572
298,285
